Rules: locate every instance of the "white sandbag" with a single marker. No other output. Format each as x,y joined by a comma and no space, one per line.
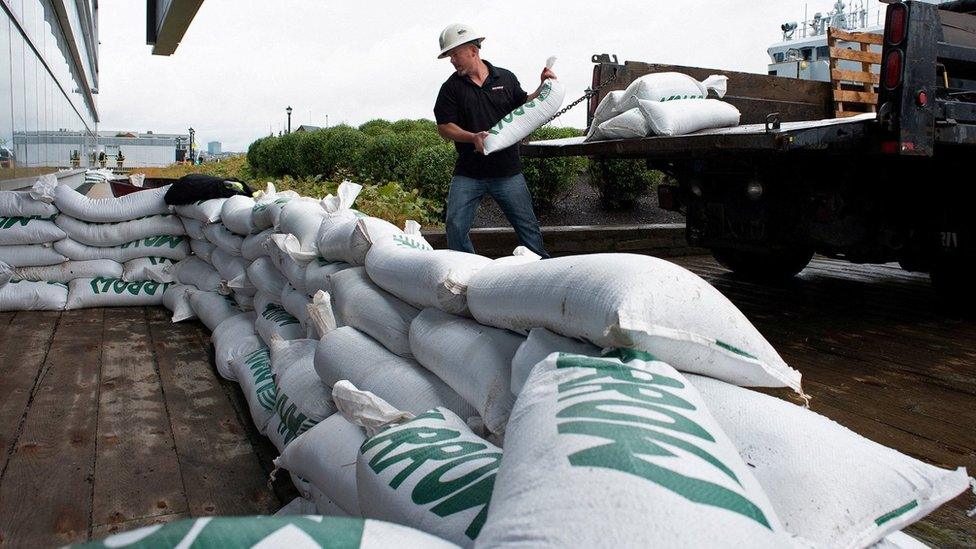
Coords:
198,273
193,227
321,315
176,298
113,292
610,106
297,507
23,231
264,531
34,255
671,86
349,240
170,247
302,399
231,268
829,485
899,540
294,272
431,473
325,456
244,302
520,123
602,453
22,204
626,300
118,233
254,246
148,268
272,319
235,214
110,210
265,277
540,344
206,211
202,249
232,338
219,236
686,116
296,303
472,359
409,268
364,306
26,295
348,354
267,206
212,308
69,270
301,219
629,125
317,274
253,372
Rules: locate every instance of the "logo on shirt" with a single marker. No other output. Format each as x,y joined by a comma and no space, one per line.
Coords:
497,88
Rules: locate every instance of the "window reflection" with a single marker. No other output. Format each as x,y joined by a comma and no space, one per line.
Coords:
43,119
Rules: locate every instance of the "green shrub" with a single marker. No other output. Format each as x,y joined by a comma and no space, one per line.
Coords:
328,152
408,126
549,179
386,157
430,172
620,183
258,154
376,127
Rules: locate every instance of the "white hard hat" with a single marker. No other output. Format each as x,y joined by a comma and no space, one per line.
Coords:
455,35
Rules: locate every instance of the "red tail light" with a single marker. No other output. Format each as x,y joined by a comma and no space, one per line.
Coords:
897,20
892,69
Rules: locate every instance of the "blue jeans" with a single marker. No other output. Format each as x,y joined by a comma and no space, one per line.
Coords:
511,194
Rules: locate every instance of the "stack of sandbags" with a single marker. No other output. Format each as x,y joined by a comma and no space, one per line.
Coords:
664,103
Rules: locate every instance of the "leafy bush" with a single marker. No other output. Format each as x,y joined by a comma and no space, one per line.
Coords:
620,183
327,152
376,127
430,172
386,157
549,179
419,125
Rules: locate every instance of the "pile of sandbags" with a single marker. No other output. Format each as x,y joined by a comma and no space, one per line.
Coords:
62,250
393,377
664,103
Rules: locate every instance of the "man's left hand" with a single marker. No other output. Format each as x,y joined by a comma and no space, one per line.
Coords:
547,74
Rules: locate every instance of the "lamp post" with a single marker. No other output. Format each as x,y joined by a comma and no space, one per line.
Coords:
191,144
288,110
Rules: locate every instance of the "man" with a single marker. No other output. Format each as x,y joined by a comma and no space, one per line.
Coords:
470,102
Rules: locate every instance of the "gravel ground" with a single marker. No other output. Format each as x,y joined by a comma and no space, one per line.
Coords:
582,207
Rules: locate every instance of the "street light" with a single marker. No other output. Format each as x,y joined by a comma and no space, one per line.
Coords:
191,144
288,110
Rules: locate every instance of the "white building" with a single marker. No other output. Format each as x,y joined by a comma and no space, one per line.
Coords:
141,150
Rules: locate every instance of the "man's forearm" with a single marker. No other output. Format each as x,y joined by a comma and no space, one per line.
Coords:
453,132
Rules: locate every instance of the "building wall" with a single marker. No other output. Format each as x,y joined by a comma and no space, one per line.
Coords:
213,147
48,68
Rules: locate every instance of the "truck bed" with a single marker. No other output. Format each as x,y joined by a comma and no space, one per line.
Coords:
834,133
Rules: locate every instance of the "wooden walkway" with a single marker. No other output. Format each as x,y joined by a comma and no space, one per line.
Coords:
114,418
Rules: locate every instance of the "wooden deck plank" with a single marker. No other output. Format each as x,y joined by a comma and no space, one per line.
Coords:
104,530
221,473
25,343
137,472
46,494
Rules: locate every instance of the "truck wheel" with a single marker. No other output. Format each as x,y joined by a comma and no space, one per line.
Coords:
953,281
763,266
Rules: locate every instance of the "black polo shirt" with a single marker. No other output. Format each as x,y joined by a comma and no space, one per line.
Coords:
476,109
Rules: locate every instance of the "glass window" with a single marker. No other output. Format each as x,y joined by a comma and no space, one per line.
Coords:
823,52
6,99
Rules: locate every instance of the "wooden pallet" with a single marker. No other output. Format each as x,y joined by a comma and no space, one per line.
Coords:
854,88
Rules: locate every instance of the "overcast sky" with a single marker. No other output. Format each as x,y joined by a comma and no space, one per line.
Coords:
243,61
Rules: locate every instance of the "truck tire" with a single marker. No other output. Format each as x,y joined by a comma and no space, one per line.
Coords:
763,266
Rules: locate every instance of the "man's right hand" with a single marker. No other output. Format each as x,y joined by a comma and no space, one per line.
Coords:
479,141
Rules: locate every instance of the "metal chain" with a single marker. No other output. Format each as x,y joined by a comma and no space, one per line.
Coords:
590,92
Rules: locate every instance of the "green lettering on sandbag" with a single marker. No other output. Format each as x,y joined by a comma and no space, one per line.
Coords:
519,111
631,441
735,350
426,451
475,495
259,363
293,421
508,118
431,488
896,512
135,287
8,222
277,314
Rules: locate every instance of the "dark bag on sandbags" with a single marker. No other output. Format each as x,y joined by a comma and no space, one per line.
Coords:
195,187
